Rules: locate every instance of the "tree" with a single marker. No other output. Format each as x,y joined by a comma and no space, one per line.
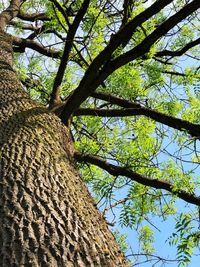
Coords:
99,86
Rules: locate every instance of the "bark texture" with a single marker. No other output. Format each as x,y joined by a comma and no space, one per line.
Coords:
47,216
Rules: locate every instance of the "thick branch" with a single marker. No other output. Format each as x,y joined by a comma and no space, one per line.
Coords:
134,109
106,97
122,171
90,82
11,12
36,30
24,26
55,98
151,39
170,121
144,46
22,43
179,124
137,51
179,52
32,17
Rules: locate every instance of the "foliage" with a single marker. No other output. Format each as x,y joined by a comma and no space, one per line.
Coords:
185,238
165,84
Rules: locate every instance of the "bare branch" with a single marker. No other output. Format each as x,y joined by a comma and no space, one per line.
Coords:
122,171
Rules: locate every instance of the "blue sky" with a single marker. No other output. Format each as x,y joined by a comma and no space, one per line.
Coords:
162,247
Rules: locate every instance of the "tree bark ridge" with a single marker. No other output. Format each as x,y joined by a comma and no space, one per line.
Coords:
47,216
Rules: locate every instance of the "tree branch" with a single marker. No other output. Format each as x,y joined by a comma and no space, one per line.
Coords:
22,43
36,30
32,17
90,82
179,52
143,47
179,124
8,14
126,11
55,97
122,171
146,44
61,10
24,26
115,100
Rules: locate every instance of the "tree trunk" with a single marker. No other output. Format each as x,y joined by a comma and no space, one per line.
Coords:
47,216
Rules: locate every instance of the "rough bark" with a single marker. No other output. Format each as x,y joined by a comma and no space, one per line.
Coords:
47,216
